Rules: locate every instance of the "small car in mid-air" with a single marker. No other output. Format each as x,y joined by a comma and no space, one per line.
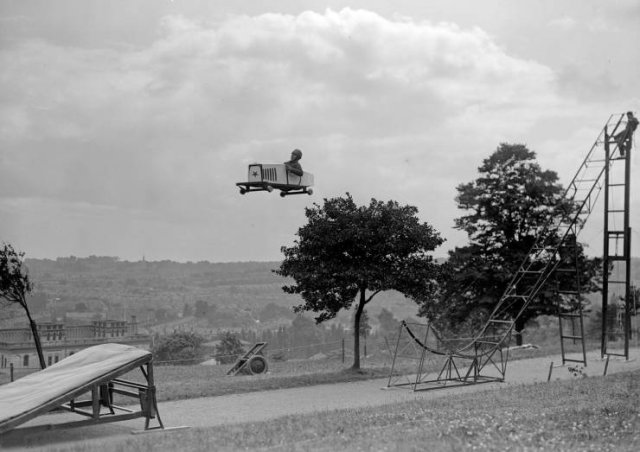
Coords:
266,177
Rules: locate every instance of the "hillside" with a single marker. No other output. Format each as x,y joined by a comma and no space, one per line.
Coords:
171,294
231,295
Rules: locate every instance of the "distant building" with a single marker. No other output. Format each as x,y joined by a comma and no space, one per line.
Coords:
58,340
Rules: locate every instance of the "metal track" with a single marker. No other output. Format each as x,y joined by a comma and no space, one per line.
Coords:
483,356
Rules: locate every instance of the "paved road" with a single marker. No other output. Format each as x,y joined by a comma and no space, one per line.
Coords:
265,405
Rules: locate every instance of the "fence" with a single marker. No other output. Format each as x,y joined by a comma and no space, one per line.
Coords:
374,352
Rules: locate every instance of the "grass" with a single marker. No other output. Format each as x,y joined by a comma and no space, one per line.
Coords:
583,414
185,382
191,381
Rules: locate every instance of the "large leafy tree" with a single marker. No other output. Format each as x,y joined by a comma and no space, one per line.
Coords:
15,286
506,207
347,254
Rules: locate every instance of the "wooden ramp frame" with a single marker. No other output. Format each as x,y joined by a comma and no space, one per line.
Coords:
94,371
245,359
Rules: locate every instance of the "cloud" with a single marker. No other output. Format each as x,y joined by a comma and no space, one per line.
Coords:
566,23
169,127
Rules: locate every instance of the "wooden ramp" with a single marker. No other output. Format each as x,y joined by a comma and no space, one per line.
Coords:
65,385
252,361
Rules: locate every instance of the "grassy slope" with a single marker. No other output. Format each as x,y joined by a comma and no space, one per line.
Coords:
599,413
185,382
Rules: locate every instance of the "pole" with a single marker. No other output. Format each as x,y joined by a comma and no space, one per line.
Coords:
627,251
605,247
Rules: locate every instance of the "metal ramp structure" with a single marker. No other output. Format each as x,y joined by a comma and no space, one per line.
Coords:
408,348
484,357
616,281
251,362
422,343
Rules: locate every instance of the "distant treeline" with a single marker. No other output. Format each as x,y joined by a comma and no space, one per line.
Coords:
206,273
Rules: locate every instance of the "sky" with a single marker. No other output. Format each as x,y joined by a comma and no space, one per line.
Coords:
125,125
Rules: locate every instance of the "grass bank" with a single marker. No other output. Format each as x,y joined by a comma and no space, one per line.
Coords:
583,414
185,382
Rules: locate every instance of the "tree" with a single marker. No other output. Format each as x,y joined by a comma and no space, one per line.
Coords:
229,348
365,325
348,253
15,286
303,334
179,347
507,206
388,323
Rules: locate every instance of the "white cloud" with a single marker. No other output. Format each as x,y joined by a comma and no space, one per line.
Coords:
374,103
566,23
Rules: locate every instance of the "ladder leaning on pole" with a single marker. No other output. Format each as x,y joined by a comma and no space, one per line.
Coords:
551,248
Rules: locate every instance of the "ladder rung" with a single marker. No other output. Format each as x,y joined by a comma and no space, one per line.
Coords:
487,342
615,232
500,321
615,210
616,185
569,292
574,360
616,354
571,337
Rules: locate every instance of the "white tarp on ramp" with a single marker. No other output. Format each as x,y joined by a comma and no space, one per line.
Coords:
32,393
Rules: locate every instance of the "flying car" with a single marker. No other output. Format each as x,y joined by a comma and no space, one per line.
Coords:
266,177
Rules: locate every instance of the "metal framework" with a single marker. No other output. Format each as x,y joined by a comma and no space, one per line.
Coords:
483,358
617,242
421,343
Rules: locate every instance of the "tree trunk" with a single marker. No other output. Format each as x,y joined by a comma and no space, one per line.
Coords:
519,327
36,337
356,331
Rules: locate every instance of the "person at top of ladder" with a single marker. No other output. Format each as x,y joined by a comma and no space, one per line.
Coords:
623,139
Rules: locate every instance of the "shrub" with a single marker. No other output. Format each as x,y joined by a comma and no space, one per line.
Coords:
178,348
229,348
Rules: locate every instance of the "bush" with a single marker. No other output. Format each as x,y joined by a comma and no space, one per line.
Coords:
229,348
178,348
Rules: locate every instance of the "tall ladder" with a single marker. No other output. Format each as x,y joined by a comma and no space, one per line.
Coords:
568,289
554,244
545,255
617,240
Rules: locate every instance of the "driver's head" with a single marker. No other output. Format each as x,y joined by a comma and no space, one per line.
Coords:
296,154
